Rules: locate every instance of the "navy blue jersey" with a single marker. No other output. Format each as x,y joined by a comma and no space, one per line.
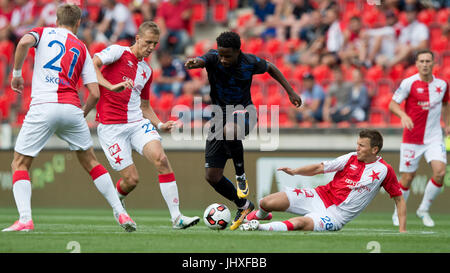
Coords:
231,85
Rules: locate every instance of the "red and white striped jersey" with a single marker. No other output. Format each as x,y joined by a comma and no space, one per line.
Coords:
123,107
424,105
60,60
355,184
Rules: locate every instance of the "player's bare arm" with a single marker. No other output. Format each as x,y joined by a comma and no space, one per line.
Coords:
446,117
275,73
193,63
395,108
105,83
401,211
308,170
149,113
94,95
25,43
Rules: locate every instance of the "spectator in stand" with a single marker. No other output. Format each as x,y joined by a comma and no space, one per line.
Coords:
173,75
354,48
299,17
339,91
173,18
335,36
48,14
147,8
117,23
23,18
313,98
413,37
6,10
360,99
264,21
381,42
314,35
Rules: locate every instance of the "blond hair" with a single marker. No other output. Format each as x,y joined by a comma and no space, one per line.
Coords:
68,15
148,25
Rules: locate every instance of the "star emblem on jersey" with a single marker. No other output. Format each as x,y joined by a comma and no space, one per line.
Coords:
374,175
438,89
144,75
297,191
407,163
118,159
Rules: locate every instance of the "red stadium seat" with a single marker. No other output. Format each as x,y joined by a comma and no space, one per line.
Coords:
439,44
321,73
426,16
445,60
410,71
396,72
374,73
7,50
96,47
199,10
185,99
377,117
299,71
255,45
442,16
273,46
219,11
3,76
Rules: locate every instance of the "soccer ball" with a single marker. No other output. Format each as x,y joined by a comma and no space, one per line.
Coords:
217,216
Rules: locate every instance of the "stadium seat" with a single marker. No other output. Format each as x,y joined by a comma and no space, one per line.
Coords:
321,73
219,11
442,16
96,47
426,16
396,72
254,45
3,76
7,50
374,73
273,46
185,99
439,44
138,18
377,117
199,11
411,70
299,71
4,108
445,58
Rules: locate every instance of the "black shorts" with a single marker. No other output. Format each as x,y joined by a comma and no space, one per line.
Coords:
216,150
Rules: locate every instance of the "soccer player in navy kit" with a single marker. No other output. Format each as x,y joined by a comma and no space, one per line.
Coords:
230,73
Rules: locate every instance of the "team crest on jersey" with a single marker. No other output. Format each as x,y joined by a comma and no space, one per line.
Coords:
52,32
353,167
420,90
114,149
130,63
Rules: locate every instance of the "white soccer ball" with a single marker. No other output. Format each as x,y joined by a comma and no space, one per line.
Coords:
217,216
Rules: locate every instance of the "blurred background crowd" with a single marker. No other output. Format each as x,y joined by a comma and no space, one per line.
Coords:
344,57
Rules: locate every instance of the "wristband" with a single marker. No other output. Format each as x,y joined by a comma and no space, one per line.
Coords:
17,73
160,124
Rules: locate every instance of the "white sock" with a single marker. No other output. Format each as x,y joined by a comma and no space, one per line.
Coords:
276,226
105,186
431,191
261,213
22,195
169,191
405,193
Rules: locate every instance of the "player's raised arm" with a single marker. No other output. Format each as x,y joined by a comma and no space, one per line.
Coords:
308,170
105,83
193,63
25,43
395,108
279,77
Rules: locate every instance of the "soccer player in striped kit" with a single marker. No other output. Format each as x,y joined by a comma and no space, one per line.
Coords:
127,121
426,98
359,177
61,60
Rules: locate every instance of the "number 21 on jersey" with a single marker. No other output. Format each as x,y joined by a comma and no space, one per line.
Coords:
61,51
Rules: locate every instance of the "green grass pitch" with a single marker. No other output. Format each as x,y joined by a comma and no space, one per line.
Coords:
95,230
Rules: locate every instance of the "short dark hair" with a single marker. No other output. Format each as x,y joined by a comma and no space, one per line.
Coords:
375,137
229,39
424,51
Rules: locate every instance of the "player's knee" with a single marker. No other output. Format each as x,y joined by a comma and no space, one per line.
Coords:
439,175
212,178
131,180
161,161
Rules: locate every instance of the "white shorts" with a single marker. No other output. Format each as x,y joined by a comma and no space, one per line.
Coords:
410,155
308,203
43,120
119,140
